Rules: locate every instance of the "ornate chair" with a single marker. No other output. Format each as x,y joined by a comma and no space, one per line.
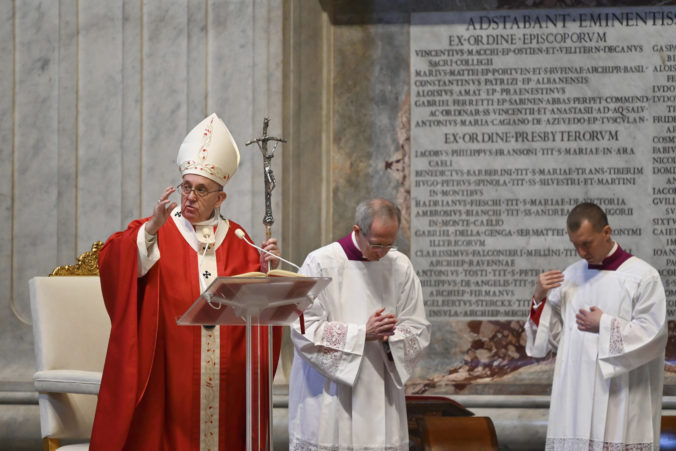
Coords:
71,330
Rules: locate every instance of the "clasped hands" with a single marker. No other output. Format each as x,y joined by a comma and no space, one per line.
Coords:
587,320
380,326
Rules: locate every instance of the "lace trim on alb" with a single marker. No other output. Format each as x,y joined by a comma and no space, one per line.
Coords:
580,444
297,444
616,345
411,348
334,338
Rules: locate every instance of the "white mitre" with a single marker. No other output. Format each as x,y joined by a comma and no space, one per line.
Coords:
210,151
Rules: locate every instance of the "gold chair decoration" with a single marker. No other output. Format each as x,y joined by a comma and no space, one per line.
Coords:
87,264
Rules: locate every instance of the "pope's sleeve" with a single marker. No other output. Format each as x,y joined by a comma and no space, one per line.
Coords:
627,344
335,349
148,250
124,374
412,333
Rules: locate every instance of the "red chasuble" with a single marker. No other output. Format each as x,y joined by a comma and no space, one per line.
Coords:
150,391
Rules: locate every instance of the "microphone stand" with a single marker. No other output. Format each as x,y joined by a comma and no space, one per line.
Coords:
240,234
268,220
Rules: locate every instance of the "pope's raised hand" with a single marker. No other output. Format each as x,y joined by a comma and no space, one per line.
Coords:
161,211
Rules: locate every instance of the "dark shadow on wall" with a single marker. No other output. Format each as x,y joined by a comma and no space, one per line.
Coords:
355,12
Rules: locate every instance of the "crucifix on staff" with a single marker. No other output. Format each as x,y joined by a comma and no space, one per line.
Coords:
268,175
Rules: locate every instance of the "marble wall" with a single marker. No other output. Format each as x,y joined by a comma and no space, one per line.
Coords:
95,98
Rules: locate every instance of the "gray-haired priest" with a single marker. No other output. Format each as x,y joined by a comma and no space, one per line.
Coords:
364,335
167,386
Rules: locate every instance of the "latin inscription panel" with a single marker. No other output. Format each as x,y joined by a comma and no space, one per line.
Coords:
516,116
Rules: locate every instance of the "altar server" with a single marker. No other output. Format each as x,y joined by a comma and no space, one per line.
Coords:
364,335
605,316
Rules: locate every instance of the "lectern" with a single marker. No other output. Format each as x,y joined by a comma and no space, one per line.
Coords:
254,301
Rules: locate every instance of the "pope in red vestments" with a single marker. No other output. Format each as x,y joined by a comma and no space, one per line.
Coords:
165,386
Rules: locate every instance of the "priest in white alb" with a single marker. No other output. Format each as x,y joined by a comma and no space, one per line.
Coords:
605,316
364,335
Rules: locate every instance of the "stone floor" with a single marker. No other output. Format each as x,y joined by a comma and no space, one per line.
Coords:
20,428
518,428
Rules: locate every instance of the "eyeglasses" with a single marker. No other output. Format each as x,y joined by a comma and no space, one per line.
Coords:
200,191
383,247
380,247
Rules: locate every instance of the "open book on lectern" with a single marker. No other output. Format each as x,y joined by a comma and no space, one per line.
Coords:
270,273
276,298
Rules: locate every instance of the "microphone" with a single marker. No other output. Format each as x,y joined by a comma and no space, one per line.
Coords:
242,236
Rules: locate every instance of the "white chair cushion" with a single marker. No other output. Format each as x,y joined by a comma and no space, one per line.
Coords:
76,447
68,381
